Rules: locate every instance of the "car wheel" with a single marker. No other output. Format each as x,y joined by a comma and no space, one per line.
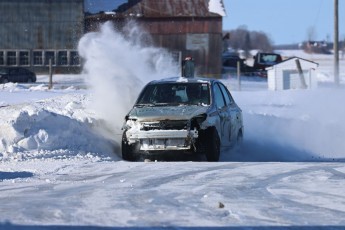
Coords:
126,149
239,137
213,146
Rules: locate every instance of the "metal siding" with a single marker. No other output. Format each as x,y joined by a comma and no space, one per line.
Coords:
168,8
169,22
40,24
182,25
207,61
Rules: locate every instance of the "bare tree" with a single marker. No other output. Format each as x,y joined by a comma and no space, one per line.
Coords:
242,39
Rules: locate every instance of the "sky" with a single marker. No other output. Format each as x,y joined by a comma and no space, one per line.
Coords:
284,21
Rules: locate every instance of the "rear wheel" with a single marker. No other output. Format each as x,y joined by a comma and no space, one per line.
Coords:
239,138
213,146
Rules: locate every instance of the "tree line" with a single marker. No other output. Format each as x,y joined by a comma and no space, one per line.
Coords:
242,39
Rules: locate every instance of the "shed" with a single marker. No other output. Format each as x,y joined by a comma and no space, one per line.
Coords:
192,27
285,75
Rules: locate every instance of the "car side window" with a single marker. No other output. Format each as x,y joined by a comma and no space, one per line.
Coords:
226,93
218,97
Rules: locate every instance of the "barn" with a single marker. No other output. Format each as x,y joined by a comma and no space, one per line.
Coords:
285,75
190,28
34,31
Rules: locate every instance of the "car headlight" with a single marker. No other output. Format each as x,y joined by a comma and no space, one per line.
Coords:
197,121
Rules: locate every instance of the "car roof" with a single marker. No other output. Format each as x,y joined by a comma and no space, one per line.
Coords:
184,80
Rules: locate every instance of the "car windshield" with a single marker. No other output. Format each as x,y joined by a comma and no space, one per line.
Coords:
175,94
269,58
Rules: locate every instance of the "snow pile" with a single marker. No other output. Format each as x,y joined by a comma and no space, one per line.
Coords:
216,6
117,66
59,124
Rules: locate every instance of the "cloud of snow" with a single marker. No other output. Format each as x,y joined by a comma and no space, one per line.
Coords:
294,125
118,64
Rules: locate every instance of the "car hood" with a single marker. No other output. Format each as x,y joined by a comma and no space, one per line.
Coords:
166,112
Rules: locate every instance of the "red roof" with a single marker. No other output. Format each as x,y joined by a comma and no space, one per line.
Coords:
167,8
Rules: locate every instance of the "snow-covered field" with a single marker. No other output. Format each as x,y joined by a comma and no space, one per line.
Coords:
60,164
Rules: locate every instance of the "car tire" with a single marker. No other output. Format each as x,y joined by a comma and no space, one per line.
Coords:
126,149
213,146
239,137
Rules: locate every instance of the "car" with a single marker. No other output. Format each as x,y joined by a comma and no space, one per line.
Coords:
260,62
16,74
230,62
178,115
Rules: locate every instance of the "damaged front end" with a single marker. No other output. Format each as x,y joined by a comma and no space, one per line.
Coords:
164,134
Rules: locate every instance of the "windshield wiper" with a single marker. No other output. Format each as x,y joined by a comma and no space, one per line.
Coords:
144,104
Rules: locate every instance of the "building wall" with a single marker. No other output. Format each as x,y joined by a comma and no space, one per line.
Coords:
31,31
199,37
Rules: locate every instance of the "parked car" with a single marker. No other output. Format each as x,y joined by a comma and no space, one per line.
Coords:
230,63
16,74
182,116
261,62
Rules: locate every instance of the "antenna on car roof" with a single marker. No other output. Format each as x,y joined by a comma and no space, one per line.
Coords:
188,67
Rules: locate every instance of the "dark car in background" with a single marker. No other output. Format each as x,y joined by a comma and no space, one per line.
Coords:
16,74
260,62
182,116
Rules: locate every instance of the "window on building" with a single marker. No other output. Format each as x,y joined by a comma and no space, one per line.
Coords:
62,58
23,57
11,58
49,55
74,58
38,57
2,58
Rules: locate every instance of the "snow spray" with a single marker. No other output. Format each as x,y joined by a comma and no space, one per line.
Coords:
117,65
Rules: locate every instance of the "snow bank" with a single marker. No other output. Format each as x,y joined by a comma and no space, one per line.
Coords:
59,124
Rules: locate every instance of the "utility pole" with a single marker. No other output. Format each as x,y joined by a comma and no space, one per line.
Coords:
336,45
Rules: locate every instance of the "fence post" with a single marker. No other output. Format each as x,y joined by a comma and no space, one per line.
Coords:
50,74
239,75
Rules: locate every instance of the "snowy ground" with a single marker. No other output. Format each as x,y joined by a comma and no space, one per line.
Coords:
60,165
57,170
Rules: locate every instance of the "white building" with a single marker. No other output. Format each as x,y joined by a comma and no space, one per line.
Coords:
285,75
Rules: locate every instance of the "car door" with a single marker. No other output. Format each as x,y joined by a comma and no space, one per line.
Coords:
224,115
13,75
22,75
234,114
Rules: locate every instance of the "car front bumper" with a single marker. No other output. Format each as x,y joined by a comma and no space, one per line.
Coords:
163,139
